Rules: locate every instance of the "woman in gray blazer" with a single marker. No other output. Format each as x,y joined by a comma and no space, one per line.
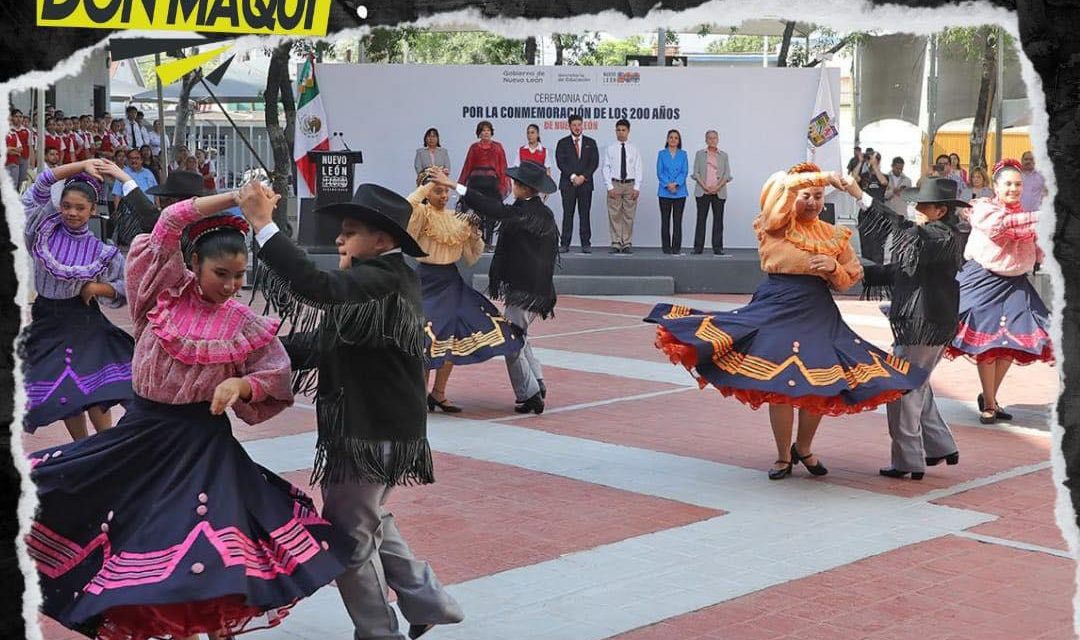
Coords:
431,154
712,173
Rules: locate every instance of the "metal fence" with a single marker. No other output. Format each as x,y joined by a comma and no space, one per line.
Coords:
234,158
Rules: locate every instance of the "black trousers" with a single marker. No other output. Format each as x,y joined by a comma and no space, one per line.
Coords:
582,198
671,235
703,204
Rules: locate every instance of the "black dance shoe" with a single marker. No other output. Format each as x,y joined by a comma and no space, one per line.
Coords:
445,405
1000,413
779,474
534,404
817,470
951,459
417,630
889,472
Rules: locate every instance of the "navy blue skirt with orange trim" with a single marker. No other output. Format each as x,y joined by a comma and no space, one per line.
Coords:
1001,318
461,326
163,526
789,345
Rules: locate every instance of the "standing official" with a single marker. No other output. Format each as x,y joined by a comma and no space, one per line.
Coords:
623,176
712,173
577,157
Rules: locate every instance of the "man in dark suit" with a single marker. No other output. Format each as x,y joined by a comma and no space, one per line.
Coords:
577,157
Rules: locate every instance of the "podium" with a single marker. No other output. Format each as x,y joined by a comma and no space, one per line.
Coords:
334,182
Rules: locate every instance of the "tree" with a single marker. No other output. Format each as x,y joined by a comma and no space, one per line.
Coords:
980,43
614,52
736,43
530,50
279,89
571,48
183,106
785,44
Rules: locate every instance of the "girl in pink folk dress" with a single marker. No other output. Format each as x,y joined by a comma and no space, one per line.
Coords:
163,526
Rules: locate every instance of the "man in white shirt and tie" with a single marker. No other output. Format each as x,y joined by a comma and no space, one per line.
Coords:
622,175
133,131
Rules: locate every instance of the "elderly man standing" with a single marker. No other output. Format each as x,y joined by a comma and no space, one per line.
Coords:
1034,184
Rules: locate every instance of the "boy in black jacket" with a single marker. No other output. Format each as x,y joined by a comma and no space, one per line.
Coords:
923,257
361,329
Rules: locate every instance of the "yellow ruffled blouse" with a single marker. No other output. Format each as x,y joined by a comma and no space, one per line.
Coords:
442,235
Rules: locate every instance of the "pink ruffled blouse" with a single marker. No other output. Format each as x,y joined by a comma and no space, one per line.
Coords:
1003,239
186,346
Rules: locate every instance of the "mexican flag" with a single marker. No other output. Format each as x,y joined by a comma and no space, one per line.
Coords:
311,128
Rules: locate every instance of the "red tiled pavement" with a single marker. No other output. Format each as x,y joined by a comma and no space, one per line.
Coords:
1025,506
944,589
481,518
704,424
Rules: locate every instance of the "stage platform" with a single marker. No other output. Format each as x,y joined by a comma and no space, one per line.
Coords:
647,271
650,271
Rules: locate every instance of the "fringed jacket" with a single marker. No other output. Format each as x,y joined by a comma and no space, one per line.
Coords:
919,277
359,333
523,267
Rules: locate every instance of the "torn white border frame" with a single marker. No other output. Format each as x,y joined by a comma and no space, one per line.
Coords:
842,16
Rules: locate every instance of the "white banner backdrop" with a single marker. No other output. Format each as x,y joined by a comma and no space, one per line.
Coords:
762,115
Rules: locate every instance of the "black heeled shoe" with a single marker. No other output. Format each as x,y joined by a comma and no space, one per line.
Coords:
951,459
778,474
417,630
999,413
889,472
444,405
534,404
817,470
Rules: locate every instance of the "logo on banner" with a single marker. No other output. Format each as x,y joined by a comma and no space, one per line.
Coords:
622,77
822,129
266,17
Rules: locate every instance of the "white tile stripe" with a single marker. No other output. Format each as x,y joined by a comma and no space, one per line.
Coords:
976,483
592,594
1024,546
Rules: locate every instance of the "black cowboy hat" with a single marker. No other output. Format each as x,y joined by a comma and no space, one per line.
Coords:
180,184
382,209
533,175
935,191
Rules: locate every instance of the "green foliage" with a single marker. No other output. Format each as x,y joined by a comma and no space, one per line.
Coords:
576,47
614,52
427,47
739,43
970,42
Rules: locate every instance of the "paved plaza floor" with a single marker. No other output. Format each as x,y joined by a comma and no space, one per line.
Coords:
637,506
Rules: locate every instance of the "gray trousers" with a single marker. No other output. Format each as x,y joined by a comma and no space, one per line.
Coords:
13,173
915,425
524,369
382,559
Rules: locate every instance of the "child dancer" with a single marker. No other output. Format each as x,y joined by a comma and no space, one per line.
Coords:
163,526
78,363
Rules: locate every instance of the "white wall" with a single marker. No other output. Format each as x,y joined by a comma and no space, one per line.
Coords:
74,94
761,114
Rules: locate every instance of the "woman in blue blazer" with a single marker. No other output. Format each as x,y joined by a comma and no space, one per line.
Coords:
672,167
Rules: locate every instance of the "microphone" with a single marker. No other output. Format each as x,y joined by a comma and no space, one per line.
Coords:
341,136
